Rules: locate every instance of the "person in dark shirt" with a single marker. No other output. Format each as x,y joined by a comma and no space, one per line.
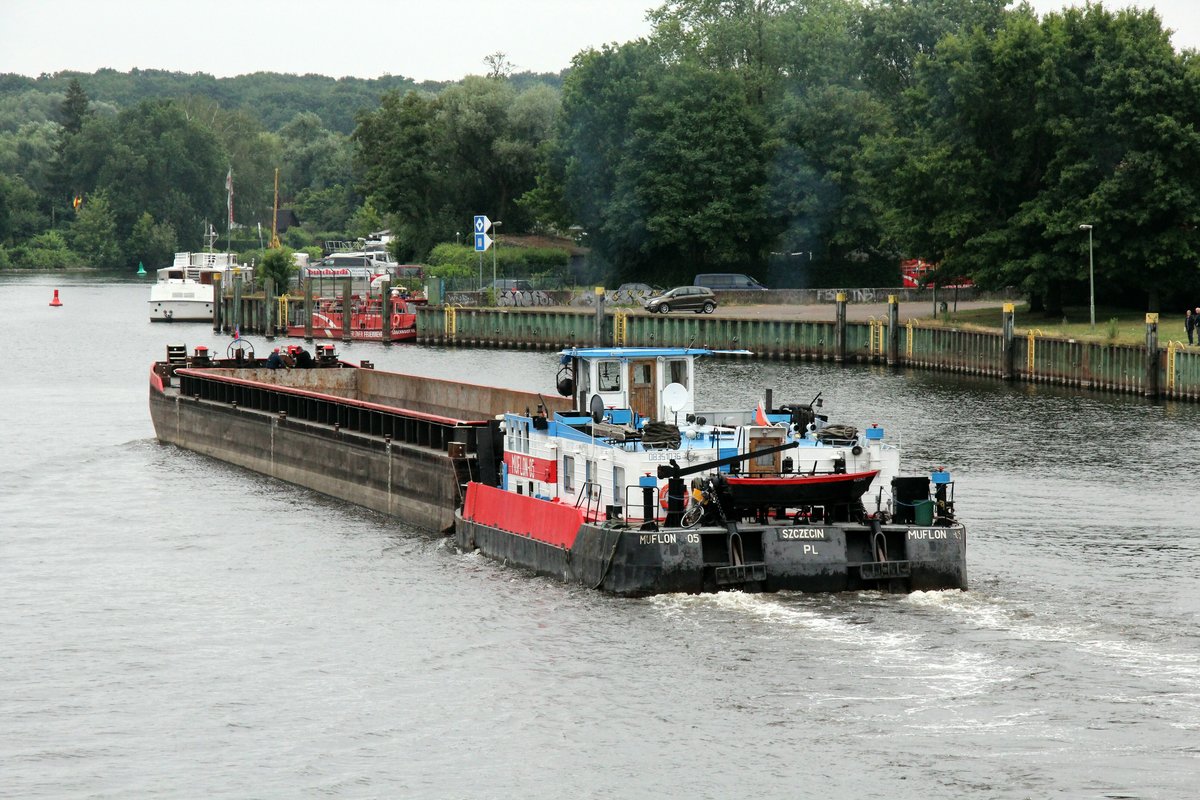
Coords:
1189,322
275,360
304,359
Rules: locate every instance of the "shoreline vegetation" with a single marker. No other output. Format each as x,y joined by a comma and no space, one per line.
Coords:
814,145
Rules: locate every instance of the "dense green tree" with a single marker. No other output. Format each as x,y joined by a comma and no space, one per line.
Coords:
395,156
817,179
74,110
249,151
366,220
20,216
326,209
45,251
599,97
314,157
1022,135
434,163
93,234
63,187
28,152
154,157
279,264
31,106
894,34
668,170
151,243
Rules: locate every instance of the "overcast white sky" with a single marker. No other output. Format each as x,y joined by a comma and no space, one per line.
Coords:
426,39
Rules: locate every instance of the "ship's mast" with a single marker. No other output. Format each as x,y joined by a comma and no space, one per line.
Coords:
275,214
229,206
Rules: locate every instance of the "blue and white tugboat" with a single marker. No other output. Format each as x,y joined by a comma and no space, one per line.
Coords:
638,492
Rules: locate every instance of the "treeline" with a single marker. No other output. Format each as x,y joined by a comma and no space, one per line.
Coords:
273,98
823,138
817,141
113,169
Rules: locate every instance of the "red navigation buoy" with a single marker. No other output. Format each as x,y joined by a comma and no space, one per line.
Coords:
56,301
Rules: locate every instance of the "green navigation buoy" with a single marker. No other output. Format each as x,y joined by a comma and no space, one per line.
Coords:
141,269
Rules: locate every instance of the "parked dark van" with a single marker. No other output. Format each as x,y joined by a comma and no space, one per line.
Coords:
728,281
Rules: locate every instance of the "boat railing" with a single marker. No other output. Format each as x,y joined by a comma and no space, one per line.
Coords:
637,499
590,500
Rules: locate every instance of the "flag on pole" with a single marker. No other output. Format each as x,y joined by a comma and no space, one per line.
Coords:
760,415
229,194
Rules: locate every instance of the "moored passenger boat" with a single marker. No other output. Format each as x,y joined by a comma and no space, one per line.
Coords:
637,492
184,291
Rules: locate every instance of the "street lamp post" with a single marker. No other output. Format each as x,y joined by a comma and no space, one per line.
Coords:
1091,275
495,246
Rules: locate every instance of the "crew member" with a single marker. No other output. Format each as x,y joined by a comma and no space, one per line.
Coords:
275,360
304,359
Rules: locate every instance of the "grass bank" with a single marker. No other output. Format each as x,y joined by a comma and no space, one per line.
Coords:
1116,325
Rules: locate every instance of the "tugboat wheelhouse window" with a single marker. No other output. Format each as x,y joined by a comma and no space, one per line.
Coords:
677,371
518,436
609,379
568,474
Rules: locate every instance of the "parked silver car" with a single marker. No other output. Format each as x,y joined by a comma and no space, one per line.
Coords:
683,298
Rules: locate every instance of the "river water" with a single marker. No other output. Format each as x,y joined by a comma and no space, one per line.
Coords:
177,627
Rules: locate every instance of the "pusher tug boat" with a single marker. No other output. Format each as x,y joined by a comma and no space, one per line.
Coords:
636,492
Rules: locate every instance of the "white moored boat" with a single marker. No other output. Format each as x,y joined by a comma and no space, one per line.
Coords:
184,291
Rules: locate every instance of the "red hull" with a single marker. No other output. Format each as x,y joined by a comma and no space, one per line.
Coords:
365,326
356,334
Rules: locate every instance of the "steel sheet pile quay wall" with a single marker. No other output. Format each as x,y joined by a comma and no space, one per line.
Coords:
321,437
952,350
1037,359
1181,371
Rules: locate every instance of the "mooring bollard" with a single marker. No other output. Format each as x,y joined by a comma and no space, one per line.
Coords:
269,310
1008,346
599,337
893,341
839,332
235,318
347,317
308,310
385,311
218,296
1152,358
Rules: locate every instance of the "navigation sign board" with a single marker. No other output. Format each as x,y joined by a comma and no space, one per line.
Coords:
482,241
482,223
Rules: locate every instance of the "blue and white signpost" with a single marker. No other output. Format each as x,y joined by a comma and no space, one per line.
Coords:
482,241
